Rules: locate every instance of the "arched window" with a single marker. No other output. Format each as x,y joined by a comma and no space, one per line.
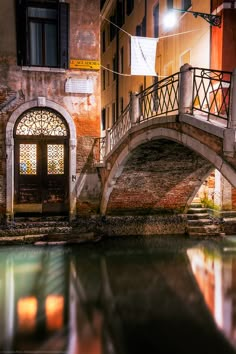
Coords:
41,122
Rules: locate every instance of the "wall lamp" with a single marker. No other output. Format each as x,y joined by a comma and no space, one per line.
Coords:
170,18
213,20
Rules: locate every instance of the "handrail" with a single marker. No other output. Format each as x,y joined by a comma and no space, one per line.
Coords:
211,93
211,96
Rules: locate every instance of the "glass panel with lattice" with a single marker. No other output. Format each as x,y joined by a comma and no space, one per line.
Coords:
41,122
28,159
55,154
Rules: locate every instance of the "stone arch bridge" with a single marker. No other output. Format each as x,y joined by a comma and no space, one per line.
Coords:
167,141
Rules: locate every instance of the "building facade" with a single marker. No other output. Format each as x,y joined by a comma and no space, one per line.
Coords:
179,43
49,106
182,38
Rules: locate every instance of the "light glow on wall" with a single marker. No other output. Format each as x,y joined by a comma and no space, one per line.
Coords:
26,313
54,308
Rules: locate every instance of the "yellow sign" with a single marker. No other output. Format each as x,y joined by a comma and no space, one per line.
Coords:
84,64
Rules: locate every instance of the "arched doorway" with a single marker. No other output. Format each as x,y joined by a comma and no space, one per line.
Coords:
41,155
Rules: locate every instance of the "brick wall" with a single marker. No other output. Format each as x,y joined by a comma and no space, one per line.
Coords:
159,177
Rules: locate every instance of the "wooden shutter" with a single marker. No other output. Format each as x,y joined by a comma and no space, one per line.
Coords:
21,32
63,31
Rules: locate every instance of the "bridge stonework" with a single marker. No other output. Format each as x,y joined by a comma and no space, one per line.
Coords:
159,165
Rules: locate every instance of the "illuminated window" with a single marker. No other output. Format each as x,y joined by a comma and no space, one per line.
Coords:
41,122
185,58
168,69
28,159
26,313
55,154
54,308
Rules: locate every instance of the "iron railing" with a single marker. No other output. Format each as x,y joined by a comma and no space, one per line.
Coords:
211,93
210,98
121,126
160,99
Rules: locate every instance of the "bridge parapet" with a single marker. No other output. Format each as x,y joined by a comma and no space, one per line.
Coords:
207,95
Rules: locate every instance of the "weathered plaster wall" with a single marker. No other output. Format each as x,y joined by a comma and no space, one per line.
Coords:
28,83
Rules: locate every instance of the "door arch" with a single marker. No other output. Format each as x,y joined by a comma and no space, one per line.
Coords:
41,155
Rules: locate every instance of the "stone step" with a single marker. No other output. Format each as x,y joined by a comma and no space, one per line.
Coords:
197,210
197,216
207,229
202,234
199,222
196,205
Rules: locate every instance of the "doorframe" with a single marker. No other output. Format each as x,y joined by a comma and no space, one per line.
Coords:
37,103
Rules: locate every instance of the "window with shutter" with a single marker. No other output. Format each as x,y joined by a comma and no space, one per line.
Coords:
42,33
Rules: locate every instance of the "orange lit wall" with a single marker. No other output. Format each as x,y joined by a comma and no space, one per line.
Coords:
26,313
223,40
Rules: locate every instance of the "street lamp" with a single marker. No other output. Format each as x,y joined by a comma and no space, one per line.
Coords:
213,20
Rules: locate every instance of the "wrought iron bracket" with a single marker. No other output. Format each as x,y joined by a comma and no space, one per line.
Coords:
213,20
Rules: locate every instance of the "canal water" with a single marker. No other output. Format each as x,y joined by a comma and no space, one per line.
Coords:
131,295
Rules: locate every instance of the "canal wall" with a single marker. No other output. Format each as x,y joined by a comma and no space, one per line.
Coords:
132,225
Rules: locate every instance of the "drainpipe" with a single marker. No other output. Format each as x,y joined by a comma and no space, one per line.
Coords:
145,19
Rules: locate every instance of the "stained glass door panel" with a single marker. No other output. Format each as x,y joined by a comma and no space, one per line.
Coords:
41,175
28,174
55,196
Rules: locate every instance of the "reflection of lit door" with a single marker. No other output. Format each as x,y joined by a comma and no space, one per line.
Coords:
41,164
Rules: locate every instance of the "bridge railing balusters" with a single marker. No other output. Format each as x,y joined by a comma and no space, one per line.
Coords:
211,99
159,99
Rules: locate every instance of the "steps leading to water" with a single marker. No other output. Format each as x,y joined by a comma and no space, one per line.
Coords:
200,222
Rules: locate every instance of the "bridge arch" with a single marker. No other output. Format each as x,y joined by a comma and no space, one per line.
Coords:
213,159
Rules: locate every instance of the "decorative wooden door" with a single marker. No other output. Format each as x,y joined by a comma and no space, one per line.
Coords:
41,163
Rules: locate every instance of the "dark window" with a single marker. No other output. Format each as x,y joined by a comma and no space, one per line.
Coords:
122,60
103,41
143,25
114,67
121,105
139,30
129,6
112,20
103,119
113,113
169,4
103,79
42,33
186,4
156,21
121,13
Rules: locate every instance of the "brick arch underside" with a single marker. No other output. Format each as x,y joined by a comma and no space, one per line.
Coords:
160,176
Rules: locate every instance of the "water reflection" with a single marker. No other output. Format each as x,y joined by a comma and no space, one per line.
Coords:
215,273
114,298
